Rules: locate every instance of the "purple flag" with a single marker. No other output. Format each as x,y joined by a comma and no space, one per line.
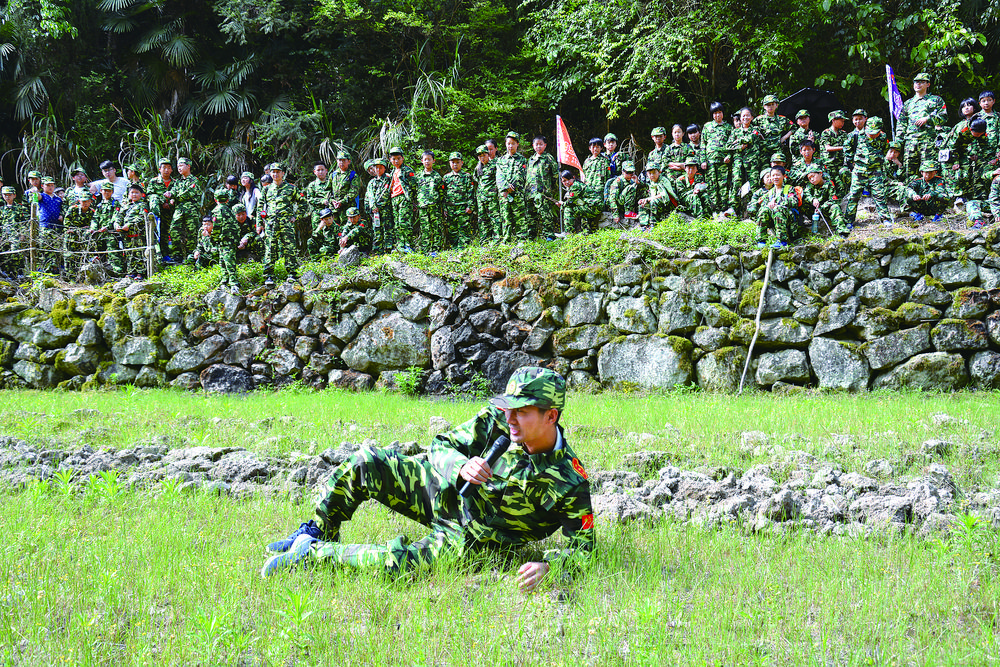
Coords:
895,99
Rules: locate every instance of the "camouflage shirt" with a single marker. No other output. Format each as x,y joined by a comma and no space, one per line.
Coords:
542,174
377,193
717,137
13,220
936,188
226,229
187,192
104,214
529,497
133,216
346,187
596,172
622,195
430,189
512,172
459,190
319,195
485,179
770,129
870,155
278,201
156,191
799,136
831,137
930,107
78,218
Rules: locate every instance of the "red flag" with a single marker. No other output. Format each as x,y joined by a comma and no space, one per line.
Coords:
564,147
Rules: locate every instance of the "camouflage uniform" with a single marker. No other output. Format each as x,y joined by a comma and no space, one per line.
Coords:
869,171
527,499
797,174
799,136
662,198
671,153
186,222
784,217
430,200
623,194
75,194
597,172
487,201
835,162
994,198
318,195
895,178
207,249
13,224
355,233
132,215
717,138
581,208
379,209
162,209
744,144
540,188
938,190
918,141
691,201
104,217
402,192
460,202
829,205
226,230
345,188
78,227
511,175
992,126
277,205
770,129
976,158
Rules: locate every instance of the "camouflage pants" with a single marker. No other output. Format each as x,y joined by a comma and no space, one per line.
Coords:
718,197
654,211
743,172
227,259
460,229
918,149
488,212
875,182
50,250
513,217
121,262
184,230
929,207
326,242
696,205
976,209
405,485
432,236
404,217
782,219
581,218
279,241
542,219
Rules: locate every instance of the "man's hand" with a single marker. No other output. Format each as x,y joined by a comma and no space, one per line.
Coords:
476,471
530,575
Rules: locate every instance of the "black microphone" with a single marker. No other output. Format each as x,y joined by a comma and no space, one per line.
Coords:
492,455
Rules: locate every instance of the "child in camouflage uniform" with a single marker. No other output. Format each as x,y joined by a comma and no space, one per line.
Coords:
128,224
205,251
472,500
227,237
459,196
430,201
819,194
779,210
623,194
13,225
691,190
660,198
487,202
927,195
355,232
580,206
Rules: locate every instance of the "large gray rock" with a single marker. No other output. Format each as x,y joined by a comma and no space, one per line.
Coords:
897,346
935,371
90,334
350,380
503,291
632,315
414,307
931,292
649,361
150,377
952,334
577,341
956,273
39,376
882,510
389,342
135,351
838,365
244,352
884,293
970,303
720,371
500,365
984,370
195,358
77,360
224,302
782,366
226,379
909,261
584,308
677,314
993,327
284,363
289,316
442,348
421,281
774,332
836,316
343,327
615,508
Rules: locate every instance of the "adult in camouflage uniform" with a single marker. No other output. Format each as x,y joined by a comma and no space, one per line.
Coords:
540,187
277,206
487,201
691,190
79,190
922,118
779,210
13,226
460,203
832,152
927,195
623,194
772,128
660,197
536,487
718,134
512,170
869,171
430,205
187,193
744,145
379,207
819,194
129,226
345,189
162,204
581,206
227,236
402,191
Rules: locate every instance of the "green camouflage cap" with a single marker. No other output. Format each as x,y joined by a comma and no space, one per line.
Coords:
239,208
34,174
770,99
395,150
184,160
802,113
610,137
380,161
277,166
653,166
923,76
860,112
8,190
691,162
325,213
135,166
369,164
533,385
77,170
814,169
342,155
834,115
659,129
223,195
874,125
352,212
628,166
928,165
247,174
514,135
456,156
164,160
777,157
47,179
107,186
481,148
898,145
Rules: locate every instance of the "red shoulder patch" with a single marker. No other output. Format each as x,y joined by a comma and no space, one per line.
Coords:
588,522
579,468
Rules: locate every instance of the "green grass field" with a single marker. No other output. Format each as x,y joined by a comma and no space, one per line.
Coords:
94,573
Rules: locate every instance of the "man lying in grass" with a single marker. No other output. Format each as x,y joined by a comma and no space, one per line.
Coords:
471,498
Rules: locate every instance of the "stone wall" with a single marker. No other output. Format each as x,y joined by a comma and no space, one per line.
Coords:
907,312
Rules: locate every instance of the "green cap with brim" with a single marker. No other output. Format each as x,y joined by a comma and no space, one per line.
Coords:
658,130
456,156
239,208
860,112
610,137
814,169
691,162
278,166
923,76
653,166
802,113
770,99
481,149
77,170
898,145
164,160
247,174
514,135
928,165
8,190
34,174
628,166
352,212
380,162
223,195
184,160
107,186
342,155
834,115
395,150
777,157
47,179
874,125
533,385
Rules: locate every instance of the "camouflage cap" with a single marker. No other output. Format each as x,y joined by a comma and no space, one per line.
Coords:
77,170
395,150
184,160
777,157
135,166
610,137
860,112
246,174
802,113
369,164
107,186
223,195
47,179
456,156
928,165
342,155
278,166
874,125
691,162
162,161
239,208
659,129
923,76
653,166
628,166
770,99
533,385
898,145
814,169
8,190
380,162
834,115
326,213
481,148
60,189
34,174
353,212
514,135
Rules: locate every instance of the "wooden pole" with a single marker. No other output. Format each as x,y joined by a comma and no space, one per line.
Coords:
33,238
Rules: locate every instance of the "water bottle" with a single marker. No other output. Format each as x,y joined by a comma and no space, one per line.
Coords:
376,219
815,225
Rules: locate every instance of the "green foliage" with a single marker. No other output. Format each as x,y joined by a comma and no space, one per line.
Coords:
410,382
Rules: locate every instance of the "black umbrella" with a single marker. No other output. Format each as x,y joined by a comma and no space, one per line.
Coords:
817,102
